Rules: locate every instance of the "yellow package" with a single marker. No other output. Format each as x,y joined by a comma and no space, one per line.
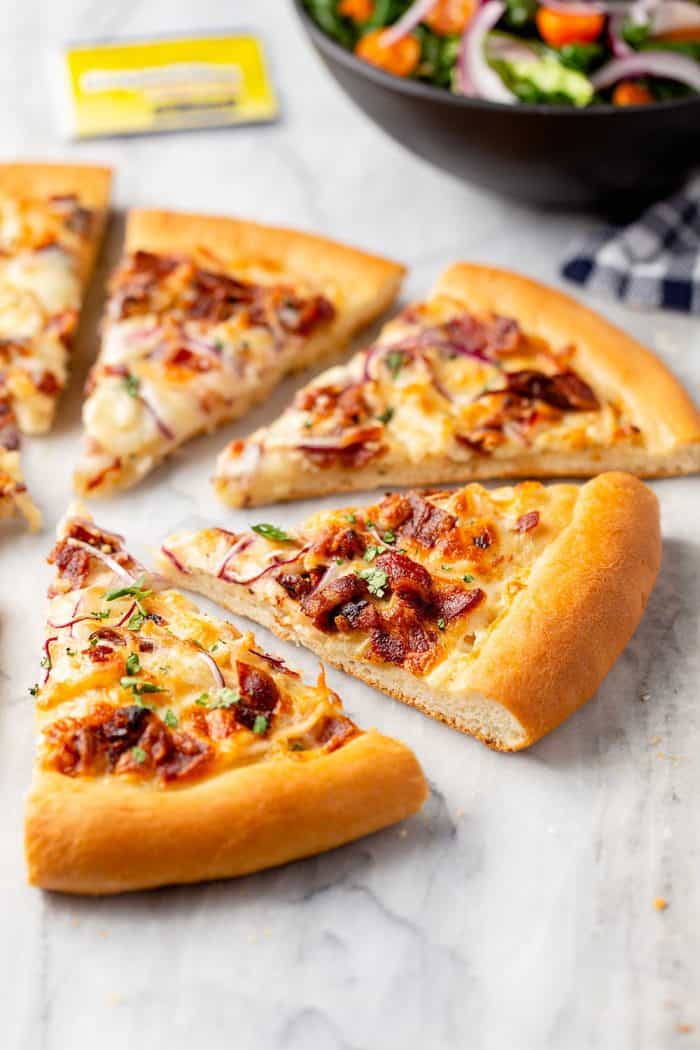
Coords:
167,85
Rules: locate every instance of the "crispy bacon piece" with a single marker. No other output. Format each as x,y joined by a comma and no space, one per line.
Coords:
104,741
259,694
403,638
346,543
353,450
300,584
334,731
99,654
348,404
72,563
528,521
184,358
427,523
48,384
107,634
456,601
320,604
406,576
357,616
473,336
564,390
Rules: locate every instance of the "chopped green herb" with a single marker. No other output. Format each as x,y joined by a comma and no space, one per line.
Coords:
271,532
165,669
214,647
441,623
71,652
136,620
93,642
132,384
140,703
308,424
446,568
226,698
371,552
102,614
386,416
133,664
170,718
139,688
203,700
297,746
260,724
352,518
394,362
44,662
139,755
376,580
468,578
34,689
338,561
136,590
389,536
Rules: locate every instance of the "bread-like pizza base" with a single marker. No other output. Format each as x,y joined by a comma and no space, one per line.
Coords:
620,369
362,287
548,655
107,835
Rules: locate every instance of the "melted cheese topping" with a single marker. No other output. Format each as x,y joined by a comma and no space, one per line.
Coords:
13,492
432,404
186,656
501,570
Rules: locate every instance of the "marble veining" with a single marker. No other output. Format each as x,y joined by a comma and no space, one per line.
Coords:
516,911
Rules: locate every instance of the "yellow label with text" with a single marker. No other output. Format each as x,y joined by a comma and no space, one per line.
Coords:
168,85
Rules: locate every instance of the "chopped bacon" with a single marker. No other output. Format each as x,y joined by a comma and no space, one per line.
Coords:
346,543
483,539
346,403
320,604
528,521
403,638
107,634
564,390
354,450
456,601
357,616
334,731
215,297
469,335
99,654
105,740
299,585
427,523
73,563
184,358
259,694
406,576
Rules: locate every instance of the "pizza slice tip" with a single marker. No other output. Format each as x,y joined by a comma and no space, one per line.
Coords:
497,611
173,749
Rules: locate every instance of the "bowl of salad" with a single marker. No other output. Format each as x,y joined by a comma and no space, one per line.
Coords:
565,102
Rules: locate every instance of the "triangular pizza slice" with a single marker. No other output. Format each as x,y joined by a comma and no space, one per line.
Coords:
498,612
205,316
52,217
174,749
493,376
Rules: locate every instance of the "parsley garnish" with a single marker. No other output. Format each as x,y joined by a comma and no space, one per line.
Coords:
136,590
132,384
376,580
468,578
394,362
34,689
139,688
44,662
136,620
139,755
441,623
446,568
93,642
202,700
371,552
260,724
297,746
101,615
226,698
133,664
351,518
389,536
71,652
386,416
271,532
338,561
170,718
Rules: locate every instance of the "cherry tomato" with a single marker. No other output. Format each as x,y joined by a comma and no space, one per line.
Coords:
400,58
558,28
357,10
450,16
628,93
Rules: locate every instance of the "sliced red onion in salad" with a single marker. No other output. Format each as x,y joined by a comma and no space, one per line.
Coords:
474,74
408,21
665,64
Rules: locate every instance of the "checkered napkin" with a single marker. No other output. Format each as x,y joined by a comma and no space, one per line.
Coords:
654,262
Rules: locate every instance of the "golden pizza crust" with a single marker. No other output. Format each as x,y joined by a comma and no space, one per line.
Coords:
105,836
546,656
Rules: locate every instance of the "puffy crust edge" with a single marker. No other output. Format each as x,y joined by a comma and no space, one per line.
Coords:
550,652
108,836
38,179
368,282
620,366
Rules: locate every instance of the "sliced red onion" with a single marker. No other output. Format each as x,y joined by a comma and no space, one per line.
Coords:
277,662
116,568
618,45
674,15
241,544
137,334
276,563
665,64
408,21
163,427
509,48
47,652
176,561
474,74
127,615
339,444
213,667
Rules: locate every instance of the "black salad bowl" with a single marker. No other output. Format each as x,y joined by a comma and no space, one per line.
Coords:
611,159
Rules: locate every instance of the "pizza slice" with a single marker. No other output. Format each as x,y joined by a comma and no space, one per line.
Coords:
174,749
205,316
497,611
493,376
52,217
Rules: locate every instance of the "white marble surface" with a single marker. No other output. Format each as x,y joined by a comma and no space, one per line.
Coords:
516,912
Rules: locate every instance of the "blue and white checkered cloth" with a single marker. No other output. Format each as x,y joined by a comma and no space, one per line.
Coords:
654,262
